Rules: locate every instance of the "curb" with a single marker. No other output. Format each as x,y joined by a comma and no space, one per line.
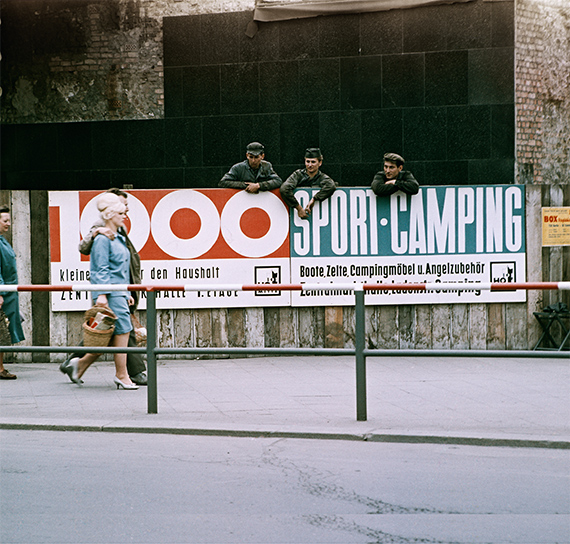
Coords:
387,438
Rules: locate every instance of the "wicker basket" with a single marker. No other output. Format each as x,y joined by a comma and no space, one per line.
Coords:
94,337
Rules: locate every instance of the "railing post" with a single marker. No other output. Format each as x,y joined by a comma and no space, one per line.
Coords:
152,395
359,344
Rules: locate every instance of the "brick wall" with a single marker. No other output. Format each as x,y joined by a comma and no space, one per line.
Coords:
542,80
85,61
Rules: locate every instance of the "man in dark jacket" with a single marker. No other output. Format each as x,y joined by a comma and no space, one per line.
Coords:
312,176
394,178
254,174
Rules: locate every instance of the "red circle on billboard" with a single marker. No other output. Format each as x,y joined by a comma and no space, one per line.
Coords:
185,223
255,223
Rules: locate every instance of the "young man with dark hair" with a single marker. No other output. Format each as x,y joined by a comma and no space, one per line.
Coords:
394,178
310,175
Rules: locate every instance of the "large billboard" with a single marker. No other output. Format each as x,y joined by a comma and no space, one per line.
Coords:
221,236
194,236
443,234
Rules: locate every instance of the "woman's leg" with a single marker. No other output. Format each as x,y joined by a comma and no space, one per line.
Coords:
85,362
121,341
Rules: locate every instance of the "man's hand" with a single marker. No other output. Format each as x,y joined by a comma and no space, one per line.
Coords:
102,301
1,301
310,206
390,182
252,187
301,211
105,231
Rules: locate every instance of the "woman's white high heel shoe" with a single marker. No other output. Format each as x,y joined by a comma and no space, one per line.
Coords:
125,385
72,370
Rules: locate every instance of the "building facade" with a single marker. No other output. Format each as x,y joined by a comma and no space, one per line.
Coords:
157,94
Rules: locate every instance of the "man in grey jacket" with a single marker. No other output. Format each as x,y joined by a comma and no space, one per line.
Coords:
254,174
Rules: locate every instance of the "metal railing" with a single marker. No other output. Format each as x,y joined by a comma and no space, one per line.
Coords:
359,351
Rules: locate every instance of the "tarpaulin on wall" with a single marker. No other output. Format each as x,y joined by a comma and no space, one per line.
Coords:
268,10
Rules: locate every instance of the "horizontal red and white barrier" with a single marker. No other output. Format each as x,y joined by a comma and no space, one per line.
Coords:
433,286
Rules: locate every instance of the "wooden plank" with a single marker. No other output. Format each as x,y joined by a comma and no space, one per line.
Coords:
334,331
406,314
287,327
74,327
165,330
496,326
307,327
319,326
271,327
422,329
219,330
254,327
459,330
440,325
516,326
556,267
478,326
236,327
203,327
387,327
547,297
349,326
183,331
371,322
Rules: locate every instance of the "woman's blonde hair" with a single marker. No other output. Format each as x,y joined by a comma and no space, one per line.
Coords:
108,205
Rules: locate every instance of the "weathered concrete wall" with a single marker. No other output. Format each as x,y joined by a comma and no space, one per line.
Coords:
88,60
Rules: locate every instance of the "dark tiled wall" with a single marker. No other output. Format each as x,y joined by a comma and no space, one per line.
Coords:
434,84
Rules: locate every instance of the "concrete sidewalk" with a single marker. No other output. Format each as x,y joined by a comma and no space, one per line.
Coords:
480,401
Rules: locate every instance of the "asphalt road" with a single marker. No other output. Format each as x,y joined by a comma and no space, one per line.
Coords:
82,487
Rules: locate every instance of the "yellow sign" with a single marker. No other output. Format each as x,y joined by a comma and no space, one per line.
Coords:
556,226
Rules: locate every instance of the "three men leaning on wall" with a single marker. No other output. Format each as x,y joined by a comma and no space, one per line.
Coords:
255,174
